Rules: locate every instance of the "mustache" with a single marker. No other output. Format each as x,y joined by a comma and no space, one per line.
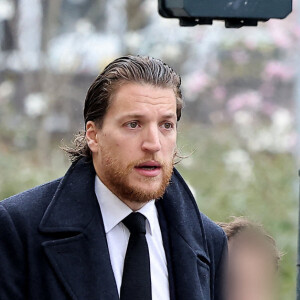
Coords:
144,160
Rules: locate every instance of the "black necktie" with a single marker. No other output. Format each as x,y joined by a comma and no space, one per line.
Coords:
136,281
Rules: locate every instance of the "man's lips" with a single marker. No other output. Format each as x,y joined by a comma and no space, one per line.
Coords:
149,168
149,164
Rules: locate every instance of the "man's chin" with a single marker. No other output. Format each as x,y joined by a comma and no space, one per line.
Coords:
143,193
148,187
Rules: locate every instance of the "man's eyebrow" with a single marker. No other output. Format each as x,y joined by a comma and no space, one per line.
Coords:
169,116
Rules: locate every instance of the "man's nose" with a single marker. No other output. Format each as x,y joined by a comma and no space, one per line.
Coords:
151,140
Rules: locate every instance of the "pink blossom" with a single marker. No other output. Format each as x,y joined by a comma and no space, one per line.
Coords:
197,82
296,31
249,99
281,35
276,69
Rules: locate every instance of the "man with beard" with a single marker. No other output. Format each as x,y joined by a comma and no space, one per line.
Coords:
122,223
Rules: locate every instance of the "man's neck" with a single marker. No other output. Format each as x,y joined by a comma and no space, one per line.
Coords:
135,206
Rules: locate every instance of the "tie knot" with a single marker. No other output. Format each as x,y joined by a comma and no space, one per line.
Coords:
136,223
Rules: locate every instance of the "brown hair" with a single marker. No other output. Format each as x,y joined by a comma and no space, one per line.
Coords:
253,232
138,69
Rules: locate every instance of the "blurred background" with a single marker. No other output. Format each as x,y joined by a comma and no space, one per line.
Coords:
241,116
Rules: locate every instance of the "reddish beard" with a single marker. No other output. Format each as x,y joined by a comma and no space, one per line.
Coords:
116,178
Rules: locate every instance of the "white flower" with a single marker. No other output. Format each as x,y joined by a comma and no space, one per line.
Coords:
35,104
282,120
238,161
7,9
243,117
7,89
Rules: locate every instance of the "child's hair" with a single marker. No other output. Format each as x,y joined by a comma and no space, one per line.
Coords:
253,234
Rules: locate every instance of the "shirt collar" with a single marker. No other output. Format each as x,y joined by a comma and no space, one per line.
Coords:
114,210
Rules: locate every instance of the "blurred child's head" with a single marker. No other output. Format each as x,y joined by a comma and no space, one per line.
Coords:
253,261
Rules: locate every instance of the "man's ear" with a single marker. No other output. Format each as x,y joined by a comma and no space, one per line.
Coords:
91,136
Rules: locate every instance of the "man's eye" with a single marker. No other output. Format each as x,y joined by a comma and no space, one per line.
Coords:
168,125
132,125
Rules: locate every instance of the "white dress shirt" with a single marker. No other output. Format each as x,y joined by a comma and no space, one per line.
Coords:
113,212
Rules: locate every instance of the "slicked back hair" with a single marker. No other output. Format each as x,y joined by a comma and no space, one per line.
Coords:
126,69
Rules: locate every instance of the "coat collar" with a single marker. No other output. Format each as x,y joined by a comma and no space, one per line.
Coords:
183,215
79,253
187,241
74,203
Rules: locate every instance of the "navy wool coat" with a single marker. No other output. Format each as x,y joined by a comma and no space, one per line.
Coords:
53,244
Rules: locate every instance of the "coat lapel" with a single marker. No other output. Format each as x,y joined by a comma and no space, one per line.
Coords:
189,259
77,249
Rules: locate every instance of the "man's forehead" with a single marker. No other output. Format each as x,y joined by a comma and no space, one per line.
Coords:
145,93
